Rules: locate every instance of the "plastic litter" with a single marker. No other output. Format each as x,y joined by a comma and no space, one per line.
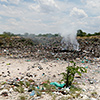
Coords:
38,87
57,84
28,60
82,62
43,74
32,93
86,67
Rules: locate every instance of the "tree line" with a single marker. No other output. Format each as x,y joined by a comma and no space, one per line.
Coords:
82,34
79,33
9,34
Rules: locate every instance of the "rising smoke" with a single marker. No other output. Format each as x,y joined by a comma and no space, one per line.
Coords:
69,41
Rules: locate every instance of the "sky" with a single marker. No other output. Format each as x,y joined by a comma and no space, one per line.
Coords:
49,16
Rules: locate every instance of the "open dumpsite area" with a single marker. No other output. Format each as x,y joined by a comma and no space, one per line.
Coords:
30,69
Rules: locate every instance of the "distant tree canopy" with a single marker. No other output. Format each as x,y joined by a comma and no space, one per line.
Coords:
82,34
97,33
7,34
27,35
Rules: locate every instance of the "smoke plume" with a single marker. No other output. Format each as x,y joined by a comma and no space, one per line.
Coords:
69,41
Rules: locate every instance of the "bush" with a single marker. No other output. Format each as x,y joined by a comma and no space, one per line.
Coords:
68,77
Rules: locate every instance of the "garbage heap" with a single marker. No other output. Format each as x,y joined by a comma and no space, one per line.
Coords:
48,47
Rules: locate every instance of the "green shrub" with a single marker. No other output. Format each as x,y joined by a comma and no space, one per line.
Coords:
68,77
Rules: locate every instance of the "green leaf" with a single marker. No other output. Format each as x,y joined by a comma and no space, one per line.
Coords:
79,73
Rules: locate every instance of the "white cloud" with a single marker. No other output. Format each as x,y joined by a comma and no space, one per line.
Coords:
11,1
45,6
34,7
92,3
3,0
14,1
45,16
78,13
92,6
10,11
13,21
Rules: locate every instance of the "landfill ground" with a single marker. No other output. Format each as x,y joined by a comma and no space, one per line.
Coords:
43,70
26,71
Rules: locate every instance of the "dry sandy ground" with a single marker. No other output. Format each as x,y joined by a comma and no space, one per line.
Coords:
19,68
51,69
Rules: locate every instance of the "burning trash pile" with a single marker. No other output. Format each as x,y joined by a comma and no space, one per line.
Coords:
49,47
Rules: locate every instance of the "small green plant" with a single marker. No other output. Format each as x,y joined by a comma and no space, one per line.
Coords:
73,89
27,84
22,97
68,77
21,83
19,89
49,88
32,87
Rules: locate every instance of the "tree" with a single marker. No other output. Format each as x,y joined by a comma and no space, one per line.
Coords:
8,34
97,33
81,33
